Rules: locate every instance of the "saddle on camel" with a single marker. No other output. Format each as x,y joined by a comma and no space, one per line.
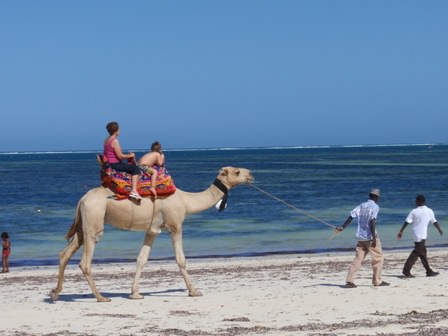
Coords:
120,182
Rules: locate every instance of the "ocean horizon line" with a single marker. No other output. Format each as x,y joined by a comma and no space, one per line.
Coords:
88,151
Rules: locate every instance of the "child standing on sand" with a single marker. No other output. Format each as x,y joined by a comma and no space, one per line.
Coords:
5,252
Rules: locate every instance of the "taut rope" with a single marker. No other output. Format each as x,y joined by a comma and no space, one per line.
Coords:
293,207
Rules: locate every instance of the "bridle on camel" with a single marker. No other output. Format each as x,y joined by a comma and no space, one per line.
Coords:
293,207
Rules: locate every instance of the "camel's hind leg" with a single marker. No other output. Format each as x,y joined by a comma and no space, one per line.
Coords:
182,263
86,266
64,258
141,262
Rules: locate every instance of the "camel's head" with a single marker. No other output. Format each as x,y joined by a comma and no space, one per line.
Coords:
232,176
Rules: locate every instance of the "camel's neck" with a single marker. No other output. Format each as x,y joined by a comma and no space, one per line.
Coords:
205,199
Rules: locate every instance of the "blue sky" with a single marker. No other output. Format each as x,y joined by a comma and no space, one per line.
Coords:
235,73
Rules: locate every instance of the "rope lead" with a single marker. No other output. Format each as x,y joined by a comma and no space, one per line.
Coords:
293,207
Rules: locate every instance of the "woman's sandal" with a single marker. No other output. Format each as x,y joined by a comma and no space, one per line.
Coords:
135,195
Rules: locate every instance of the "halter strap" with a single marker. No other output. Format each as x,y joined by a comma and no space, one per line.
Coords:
217,183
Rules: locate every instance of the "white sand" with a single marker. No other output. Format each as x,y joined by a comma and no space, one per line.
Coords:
284,295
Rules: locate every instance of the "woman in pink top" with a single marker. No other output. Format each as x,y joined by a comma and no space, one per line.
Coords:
114,157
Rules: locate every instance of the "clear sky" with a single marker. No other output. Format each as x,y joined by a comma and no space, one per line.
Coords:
233,73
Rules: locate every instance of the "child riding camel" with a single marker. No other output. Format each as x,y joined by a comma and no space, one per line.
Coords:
151,163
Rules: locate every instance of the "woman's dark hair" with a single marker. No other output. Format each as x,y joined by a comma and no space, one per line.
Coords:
112,127
5,235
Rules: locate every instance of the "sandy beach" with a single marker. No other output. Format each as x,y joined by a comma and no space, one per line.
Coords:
274,295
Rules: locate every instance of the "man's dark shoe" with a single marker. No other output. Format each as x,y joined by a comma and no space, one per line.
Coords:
432,274
350,285
408,275
383,284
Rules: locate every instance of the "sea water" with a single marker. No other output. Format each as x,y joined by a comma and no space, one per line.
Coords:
306,192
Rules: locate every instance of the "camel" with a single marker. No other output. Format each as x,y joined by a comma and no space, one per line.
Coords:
149,215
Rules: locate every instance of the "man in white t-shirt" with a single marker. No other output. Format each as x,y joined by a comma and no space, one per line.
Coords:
368,241
420,217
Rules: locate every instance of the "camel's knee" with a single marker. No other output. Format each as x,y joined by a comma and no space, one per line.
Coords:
181,262
86,270
142,260
63,259
182,265
69,251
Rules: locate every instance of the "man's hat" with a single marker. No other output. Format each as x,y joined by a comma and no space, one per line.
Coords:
375,192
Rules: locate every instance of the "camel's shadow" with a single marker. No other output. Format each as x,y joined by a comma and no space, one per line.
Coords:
84,297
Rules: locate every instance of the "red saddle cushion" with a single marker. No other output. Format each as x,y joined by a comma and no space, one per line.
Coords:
120,182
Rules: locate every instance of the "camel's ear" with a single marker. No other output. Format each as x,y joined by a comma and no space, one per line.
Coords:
224,172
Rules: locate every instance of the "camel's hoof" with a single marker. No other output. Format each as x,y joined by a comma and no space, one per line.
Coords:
195,293
102,299
53,295
136,296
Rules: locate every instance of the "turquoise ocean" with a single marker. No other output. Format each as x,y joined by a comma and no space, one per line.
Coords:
40,192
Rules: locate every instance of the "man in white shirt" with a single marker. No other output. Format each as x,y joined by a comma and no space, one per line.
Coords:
420,217
368,241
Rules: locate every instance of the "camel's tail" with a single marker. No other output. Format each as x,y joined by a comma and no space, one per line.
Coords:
76,225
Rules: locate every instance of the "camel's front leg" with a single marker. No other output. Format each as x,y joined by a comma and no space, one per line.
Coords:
182,263
64,258
86,266
141,262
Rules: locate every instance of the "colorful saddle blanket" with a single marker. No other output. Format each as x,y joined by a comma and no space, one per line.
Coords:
120,182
